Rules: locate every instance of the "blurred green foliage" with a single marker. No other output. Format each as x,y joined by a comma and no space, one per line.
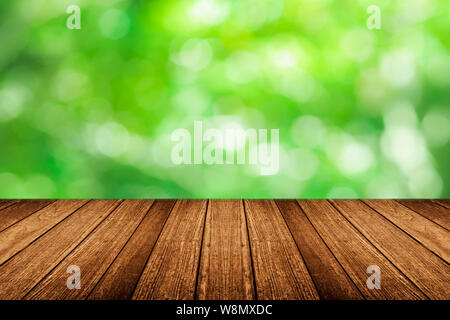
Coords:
89,113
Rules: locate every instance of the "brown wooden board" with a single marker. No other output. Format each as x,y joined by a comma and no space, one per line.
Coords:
225,263
27,268
121,278
171,271
430,210
94,255
20,210
279,269
224,249
20,235
442,202
428,272
431,235
355,253
6,203
331,280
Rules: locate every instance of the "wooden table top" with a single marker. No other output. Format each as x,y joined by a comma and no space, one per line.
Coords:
224,249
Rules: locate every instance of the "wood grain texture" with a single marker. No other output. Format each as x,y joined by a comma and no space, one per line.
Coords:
225,264
121,278
430,210
6,203
219,249
20,210
16,238
430,234
279,270
330,278
171,271
355,253
442,202
21,273
426,270
94,255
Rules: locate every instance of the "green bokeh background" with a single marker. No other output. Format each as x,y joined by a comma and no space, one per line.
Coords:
89,113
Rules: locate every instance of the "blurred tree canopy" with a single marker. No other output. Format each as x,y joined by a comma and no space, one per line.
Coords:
89,112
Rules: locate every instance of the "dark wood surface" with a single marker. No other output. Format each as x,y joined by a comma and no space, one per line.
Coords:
280,272
329,276
356,253
225,263
120,280
224,249
424,268
172,269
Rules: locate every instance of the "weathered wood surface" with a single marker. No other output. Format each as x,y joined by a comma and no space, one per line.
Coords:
224,249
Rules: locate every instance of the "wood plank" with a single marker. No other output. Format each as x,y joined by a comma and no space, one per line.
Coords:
21,273
19,211
94,255
442,202
355,253
20,235
225,263
279,270
429,210
431,235
426,270
171,271
122,277
6,203
330,278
